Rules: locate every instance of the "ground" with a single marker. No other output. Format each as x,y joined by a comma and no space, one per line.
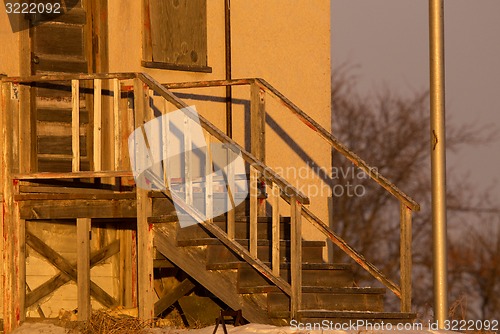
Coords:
39,328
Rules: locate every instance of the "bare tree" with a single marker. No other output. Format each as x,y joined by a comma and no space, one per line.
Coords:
391,132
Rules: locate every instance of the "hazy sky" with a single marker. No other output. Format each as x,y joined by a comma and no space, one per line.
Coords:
387,40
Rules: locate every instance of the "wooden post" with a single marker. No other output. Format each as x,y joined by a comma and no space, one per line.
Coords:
75,125
83,226
253,211
257,131
296,257
275,198
144,231
406,257
231,221
188,168
117,126
13,229
165,142
97,129
145,256
209,197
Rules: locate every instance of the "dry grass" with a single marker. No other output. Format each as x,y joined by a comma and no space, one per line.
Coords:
103,322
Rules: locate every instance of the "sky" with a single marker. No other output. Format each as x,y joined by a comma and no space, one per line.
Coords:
386,44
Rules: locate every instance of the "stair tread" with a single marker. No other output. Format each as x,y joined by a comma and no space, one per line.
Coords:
286,265
320,313
244,219
260,242
315,290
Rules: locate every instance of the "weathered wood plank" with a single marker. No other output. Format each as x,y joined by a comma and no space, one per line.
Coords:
70,209
296,257
69,175
171,297
405,257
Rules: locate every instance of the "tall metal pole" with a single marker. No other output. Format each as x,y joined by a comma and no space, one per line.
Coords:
438,159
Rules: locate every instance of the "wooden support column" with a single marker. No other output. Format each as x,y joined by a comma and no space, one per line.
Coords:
13,228
275,199
145,256
83,226
117,126
258,131
406,257
144,230
296,257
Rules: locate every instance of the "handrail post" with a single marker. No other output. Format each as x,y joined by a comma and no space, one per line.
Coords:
253,211
296,257
13,263
75,125
405,257
97,128
276,237
257,131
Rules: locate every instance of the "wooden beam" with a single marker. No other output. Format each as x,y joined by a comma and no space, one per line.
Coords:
296,258
83,268
77,175
174,295
406,257
67,268
69,209
75,124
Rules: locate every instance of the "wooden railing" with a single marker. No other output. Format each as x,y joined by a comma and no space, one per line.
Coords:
407,204
19,144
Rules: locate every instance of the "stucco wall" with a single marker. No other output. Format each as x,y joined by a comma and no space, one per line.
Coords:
285,42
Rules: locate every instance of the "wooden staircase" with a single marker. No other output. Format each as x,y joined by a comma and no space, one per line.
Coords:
252,258
329,291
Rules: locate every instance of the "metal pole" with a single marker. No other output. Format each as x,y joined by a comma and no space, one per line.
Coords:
229,90
438,159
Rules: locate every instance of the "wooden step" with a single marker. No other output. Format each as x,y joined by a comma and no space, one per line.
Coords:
313,274
242,227
315,316
330,299
312,251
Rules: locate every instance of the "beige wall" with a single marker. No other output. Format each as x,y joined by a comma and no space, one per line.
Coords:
285,42
9,54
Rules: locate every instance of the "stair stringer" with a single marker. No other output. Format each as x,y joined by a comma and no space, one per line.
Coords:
221,283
